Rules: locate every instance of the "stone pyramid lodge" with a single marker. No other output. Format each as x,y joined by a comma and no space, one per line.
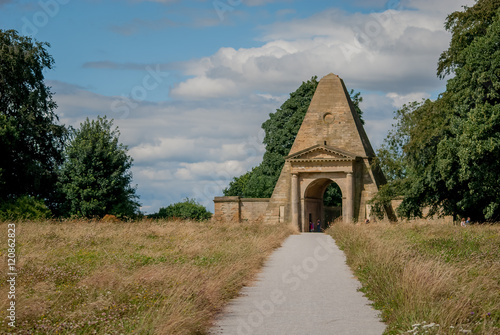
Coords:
331,146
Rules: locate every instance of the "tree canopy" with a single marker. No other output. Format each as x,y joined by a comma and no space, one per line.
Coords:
280,131
188,209
445,154
95,177
465,26
81,172
31,141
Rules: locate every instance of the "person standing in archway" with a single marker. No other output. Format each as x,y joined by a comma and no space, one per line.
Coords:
318,226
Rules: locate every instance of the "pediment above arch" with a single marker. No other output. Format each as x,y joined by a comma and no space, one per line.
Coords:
321,153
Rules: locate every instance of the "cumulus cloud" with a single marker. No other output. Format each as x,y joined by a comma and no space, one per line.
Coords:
174,149
389,51
205,88
399,100
211,170
378,113
329,42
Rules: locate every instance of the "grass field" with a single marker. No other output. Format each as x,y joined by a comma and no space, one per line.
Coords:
428,278
172,277
149,277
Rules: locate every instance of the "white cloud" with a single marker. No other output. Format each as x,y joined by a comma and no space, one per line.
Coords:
378,115
157,174
391,51
211,170
177,149
204,87
399,100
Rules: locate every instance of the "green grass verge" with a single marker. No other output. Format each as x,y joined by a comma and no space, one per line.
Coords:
427,278
148,277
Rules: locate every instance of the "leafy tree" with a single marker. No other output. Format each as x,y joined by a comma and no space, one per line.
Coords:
356,99
189,209
449,149
465,27
281,129
332,196
469,158
31,142
24,208
95,177
407,158
237,187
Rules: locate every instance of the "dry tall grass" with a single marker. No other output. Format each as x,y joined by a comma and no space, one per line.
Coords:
120,278
424,275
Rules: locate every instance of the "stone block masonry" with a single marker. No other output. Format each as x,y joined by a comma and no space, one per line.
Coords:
236,209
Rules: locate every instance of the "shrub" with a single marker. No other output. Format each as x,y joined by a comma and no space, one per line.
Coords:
24,208
188,209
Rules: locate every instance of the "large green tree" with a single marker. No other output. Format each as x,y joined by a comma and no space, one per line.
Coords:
445,154
280,131
31,141
465,26
95,177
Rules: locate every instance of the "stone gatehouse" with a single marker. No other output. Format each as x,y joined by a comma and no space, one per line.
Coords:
331,147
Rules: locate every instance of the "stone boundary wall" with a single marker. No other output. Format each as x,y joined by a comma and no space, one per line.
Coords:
447,219
236,209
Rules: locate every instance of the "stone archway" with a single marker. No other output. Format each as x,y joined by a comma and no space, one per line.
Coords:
313,201
307,193
312,204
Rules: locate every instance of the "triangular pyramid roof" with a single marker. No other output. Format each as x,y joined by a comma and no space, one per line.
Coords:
331,120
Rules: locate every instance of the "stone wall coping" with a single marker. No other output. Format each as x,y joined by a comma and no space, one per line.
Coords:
226,199
255,199
237,199
303,160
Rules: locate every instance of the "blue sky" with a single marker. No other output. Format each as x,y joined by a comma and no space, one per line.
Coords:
189,83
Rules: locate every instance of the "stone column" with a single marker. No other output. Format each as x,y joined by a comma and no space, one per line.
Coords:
349,201
295,200
303,219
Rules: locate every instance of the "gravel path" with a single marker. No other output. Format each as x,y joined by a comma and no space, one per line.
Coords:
304,288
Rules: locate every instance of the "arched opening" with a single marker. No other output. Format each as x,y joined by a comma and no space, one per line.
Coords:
332,203
323,202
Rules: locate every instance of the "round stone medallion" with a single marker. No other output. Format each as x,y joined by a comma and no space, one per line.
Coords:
328,118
